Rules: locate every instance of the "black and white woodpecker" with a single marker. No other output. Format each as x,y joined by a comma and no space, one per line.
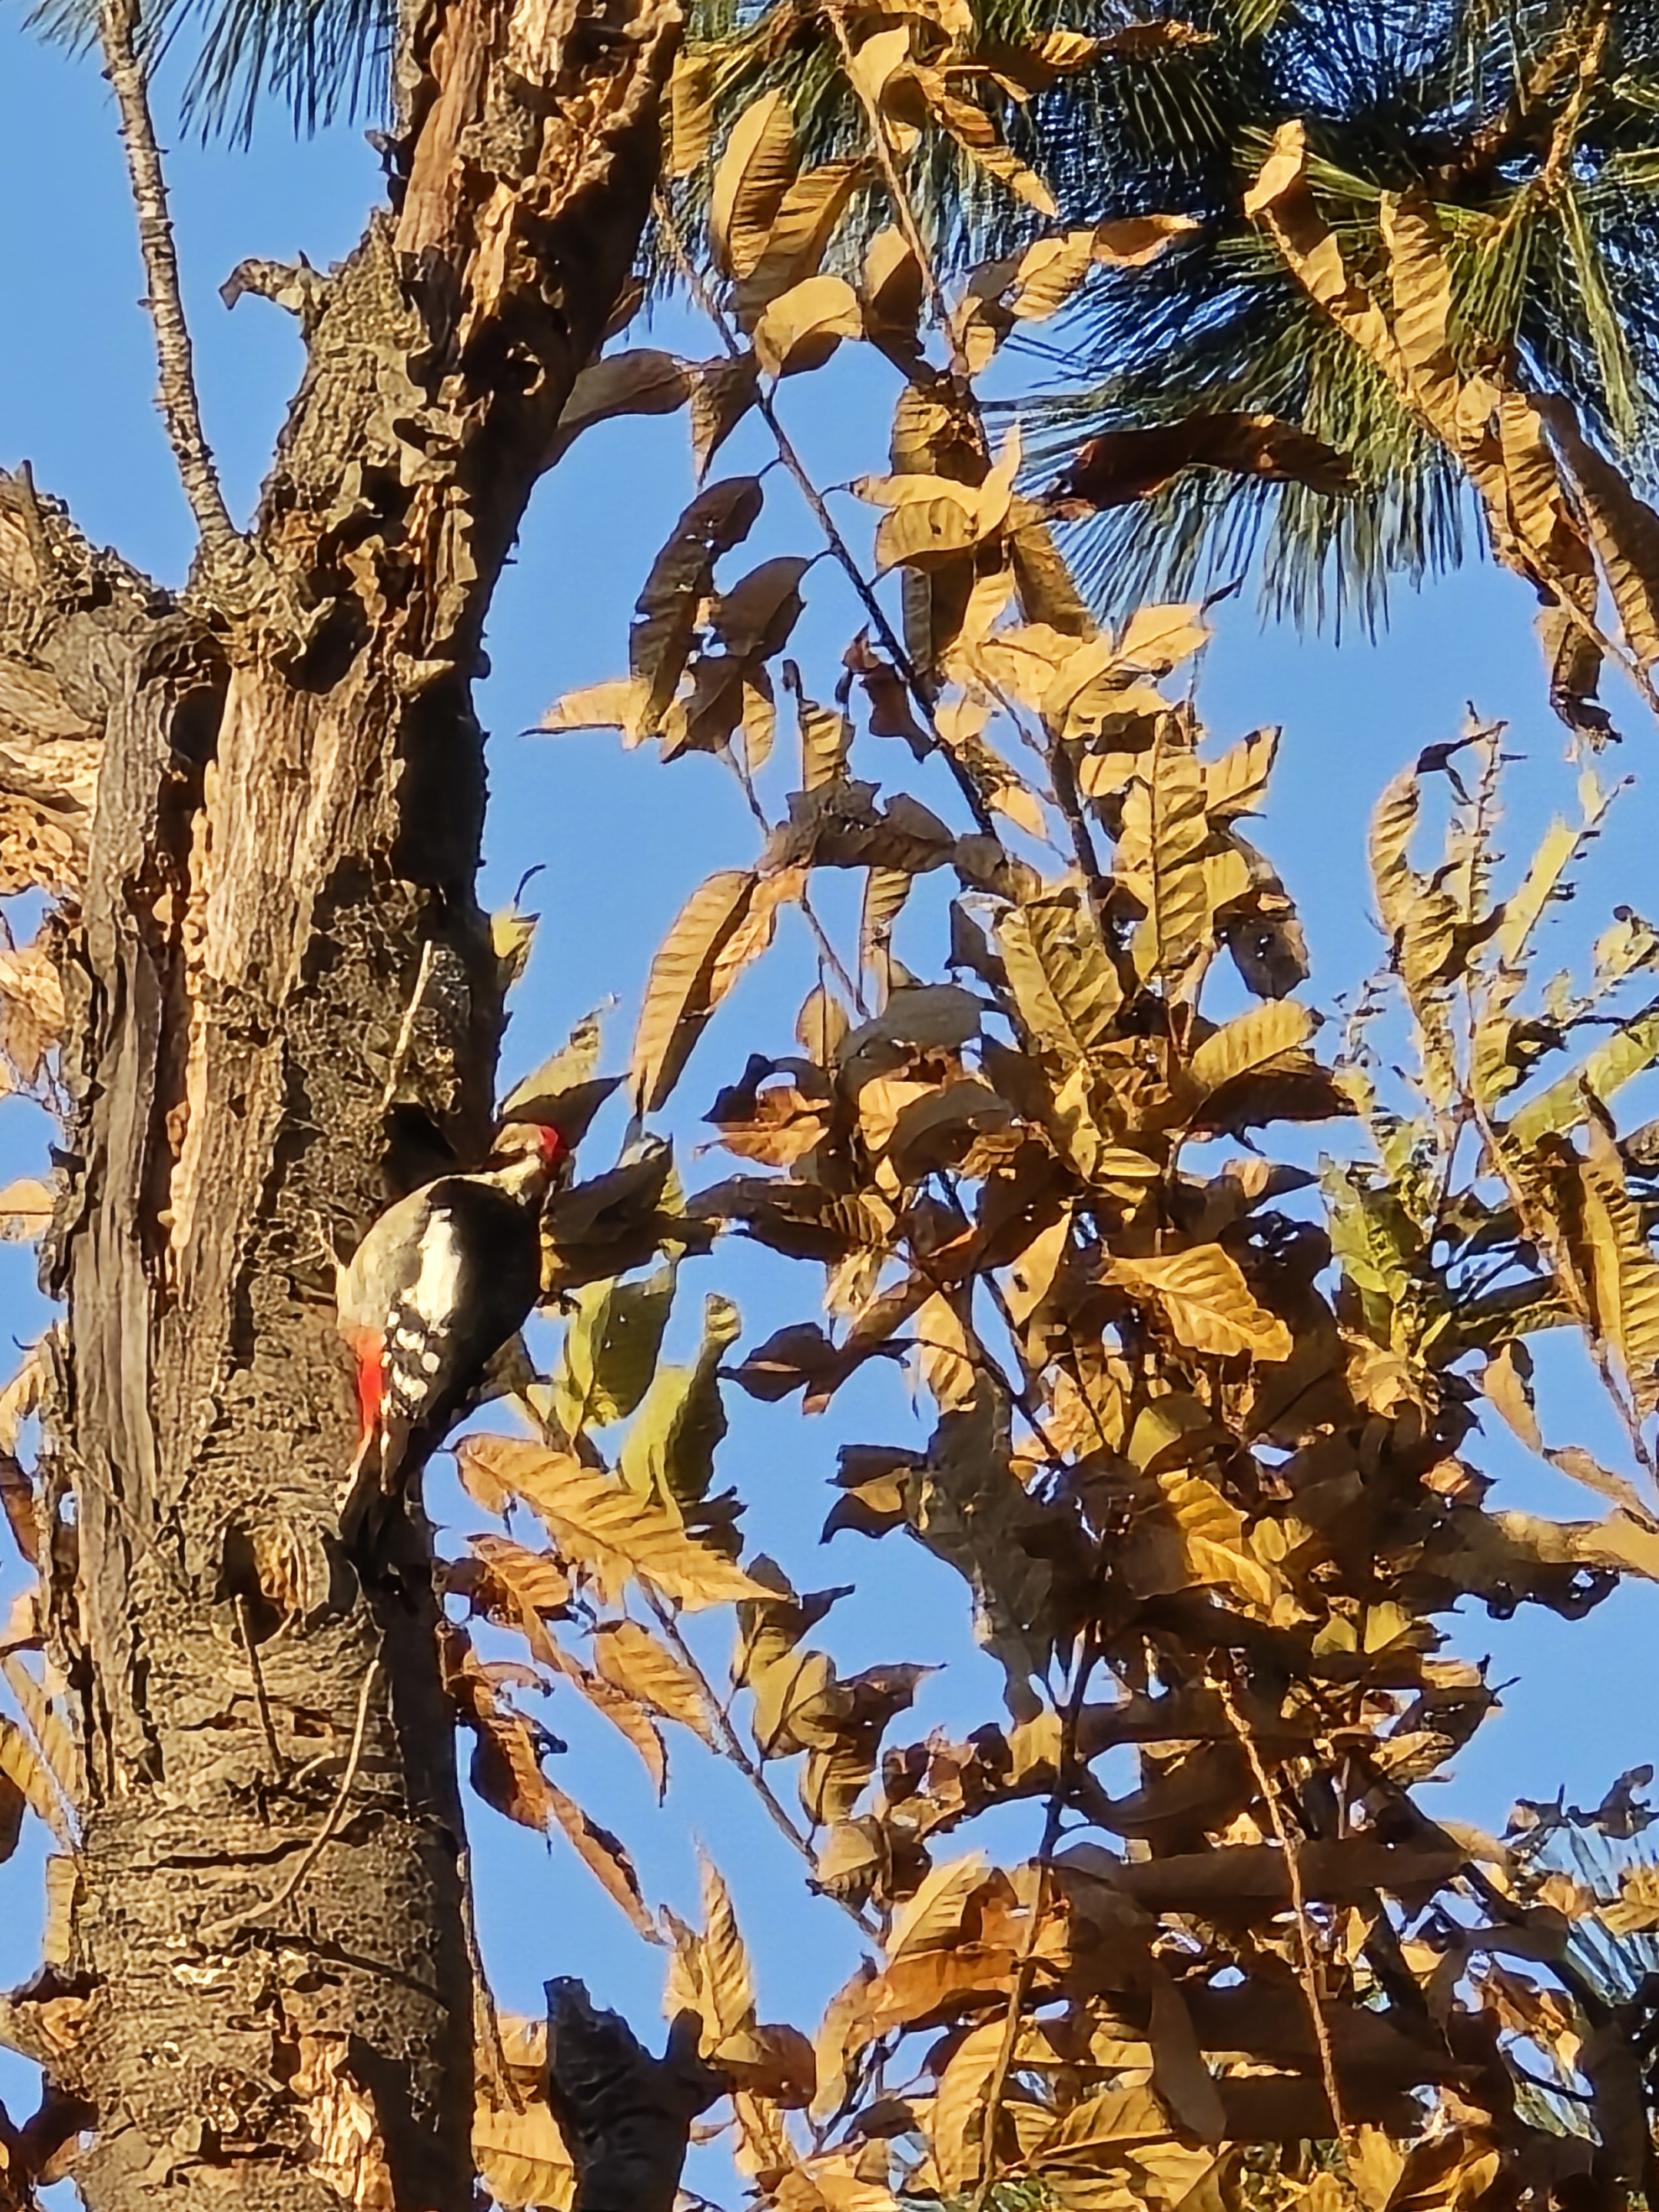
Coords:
442,1281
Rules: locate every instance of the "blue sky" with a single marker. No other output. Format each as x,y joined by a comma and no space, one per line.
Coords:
622,841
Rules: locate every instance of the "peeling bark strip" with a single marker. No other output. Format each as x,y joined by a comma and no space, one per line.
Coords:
285,834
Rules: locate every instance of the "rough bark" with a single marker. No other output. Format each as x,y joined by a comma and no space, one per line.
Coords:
264,1991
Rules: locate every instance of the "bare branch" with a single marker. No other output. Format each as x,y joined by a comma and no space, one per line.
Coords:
181,408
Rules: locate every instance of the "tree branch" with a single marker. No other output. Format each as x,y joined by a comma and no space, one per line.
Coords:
181,408
625,2116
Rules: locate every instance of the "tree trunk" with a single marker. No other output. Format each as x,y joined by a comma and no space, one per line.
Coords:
282,1004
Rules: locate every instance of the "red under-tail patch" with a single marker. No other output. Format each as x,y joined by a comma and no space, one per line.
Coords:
371,1382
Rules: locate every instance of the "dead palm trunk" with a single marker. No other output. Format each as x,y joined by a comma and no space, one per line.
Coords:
282,997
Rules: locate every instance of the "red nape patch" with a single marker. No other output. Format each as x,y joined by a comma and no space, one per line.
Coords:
553,1145
371,1382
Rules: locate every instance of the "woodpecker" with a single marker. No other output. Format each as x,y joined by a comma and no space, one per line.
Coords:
443,1279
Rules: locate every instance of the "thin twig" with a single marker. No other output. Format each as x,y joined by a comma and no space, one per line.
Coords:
904,207
1062,775
1025,1970
979,1354
314,1850
180,408
737,1752
278,1764
891,643
1306,1954
804,902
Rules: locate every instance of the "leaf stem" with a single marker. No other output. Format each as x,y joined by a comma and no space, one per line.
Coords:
740,1756
903,206
865,589
747,782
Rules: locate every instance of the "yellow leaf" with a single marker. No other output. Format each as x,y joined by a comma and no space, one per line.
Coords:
631,1658
753,176
1598,1075
880,61
605,1856
1214,1539
1032,1276
1157,638
932,1919
1393,876
26,1210
955,2129
925,533
691,90
609,1351
1623,1273
23,1767
1419,277
521,2157
59,1754
1164,830
1115,2117
684,985
1063,981
1623,529
610,706
943,1354
1207,1303
976,134
1047,274
512,933
605,1527
800,329
1133,240
806,222
1279,1025
1507,1383
1238,783
826,738
728,1984
1279,199
1523,910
